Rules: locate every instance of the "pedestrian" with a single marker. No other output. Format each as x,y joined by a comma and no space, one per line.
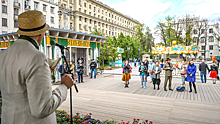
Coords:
25,83
80,71
162,63
123,63
156,75
146,69
168,67
72,68
142,70
93,66
218,62
202,68
214,72
183,72
63,69
191,75
135,63
126,73
150,67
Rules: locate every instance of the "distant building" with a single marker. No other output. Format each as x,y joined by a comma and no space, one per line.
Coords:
12,8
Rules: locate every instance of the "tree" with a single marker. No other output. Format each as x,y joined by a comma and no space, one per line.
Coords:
96,32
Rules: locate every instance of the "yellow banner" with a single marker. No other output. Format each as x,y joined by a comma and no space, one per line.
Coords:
5,44
48,40
78,43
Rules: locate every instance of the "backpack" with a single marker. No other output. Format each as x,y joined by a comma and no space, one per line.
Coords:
180,88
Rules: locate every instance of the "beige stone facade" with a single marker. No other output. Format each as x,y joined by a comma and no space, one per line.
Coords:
88,15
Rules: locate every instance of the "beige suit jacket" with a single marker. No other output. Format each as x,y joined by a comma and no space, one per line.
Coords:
25,84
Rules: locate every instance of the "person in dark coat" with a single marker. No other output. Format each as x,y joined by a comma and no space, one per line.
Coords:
142,70
63,69
126,74
146,70
156,75
191,76
80,66
93,66
203,67
214,72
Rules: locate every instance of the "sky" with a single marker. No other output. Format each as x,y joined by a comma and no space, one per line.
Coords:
150,12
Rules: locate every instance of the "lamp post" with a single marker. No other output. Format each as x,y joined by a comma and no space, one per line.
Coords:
128,48
139,52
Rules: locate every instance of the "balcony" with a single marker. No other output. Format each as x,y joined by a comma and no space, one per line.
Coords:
16,4
15,17
27,7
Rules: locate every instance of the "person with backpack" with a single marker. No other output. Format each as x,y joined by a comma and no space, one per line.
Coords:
214,72
191,75
80,71
142,70
156,75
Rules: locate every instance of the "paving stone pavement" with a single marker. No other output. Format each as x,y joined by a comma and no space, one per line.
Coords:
107,98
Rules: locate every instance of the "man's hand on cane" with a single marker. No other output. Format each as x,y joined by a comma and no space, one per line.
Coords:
67,80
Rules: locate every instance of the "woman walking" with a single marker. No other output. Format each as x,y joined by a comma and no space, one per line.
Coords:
126,74
182,68
142,70
156,75
191,77
214,72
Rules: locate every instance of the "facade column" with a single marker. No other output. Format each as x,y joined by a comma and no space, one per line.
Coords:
87,62
70,53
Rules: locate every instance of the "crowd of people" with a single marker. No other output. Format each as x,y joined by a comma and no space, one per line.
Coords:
154,68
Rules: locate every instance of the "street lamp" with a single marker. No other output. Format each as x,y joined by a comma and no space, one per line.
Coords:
128,48
139,52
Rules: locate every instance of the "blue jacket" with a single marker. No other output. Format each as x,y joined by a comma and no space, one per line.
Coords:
191,70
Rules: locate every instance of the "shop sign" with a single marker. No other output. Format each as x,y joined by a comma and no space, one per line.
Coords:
5,44
78,43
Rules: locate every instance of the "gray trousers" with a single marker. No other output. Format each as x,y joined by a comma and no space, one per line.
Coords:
166,80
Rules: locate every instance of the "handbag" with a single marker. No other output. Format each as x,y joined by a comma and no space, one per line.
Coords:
151,72
77,70
217,77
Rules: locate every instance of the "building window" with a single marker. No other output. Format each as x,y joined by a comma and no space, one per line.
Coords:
85,11
109,20
102,11
203,31
79,9
80,18
71,1
64,5
203,47
52,19
71,8
210,30
4,9
84,4
52,9
64,15
102,18
109,15
90,6
90,29
195,31
71,25
80,2
98,10
195,38
106,26
90,21
211,39
202,39
106,31
106,19
94,15
210,47
4,32
80,26
85,19
94,22
112,16
90,13
35,5
85,26
4,22
44,17
94,9
71,17
98,16
15,24
99,24
106,13
15,11
44,7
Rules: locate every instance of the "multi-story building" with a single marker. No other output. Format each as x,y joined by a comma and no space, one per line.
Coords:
88,15
12,8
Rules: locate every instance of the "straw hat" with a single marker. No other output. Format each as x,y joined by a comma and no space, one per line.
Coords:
32,23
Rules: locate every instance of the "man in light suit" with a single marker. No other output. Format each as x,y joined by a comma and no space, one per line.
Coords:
25,77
